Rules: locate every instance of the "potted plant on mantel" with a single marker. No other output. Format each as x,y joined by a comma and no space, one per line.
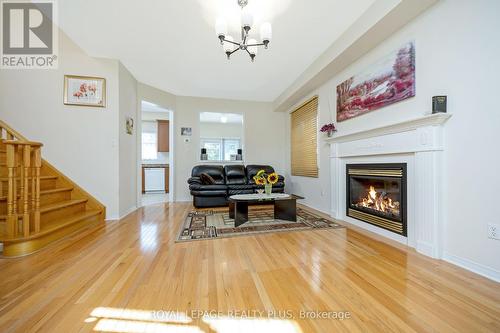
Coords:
268,180
329,129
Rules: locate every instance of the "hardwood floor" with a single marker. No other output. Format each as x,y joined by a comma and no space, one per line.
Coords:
130,276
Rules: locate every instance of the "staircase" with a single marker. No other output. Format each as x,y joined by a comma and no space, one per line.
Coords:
38,204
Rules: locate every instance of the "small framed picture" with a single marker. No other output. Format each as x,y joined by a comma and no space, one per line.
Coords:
186,131
84,91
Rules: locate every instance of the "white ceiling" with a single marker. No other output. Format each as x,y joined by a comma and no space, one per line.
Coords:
172,45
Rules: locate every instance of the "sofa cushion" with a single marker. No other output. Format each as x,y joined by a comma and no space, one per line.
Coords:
240,189
202,187
235,174
209,193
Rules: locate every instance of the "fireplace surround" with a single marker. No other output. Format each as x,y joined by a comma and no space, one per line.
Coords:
419,144
376,194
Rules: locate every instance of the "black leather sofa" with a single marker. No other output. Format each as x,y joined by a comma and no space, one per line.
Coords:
229,180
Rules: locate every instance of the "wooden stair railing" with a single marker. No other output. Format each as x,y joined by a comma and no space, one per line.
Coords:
8,133
24,159
38,204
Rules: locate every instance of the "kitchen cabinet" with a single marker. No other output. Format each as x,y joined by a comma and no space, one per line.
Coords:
163,136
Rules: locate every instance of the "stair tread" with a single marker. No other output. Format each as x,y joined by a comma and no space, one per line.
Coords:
55,206
42,192
62,204
58,224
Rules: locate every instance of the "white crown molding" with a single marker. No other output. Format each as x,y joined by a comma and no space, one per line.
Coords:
408,125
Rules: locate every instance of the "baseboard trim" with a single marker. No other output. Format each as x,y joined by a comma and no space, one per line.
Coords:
315,208
472,266
118,217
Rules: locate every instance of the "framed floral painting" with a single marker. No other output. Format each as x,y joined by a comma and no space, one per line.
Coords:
388,81
84,91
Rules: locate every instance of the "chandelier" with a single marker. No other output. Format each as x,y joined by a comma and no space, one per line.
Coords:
247,44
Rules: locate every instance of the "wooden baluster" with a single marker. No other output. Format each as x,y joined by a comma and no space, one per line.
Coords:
11,226
25,181
37,164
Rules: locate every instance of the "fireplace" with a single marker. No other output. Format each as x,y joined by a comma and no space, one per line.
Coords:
376,194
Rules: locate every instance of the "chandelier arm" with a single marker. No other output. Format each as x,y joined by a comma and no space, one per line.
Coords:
235,50
244,35
260,44
228,41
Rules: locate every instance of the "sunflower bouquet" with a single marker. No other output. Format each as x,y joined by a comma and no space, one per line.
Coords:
268,180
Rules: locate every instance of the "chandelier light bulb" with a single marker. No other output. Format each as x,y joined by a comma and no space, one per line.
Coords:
246,18
220,27
266,32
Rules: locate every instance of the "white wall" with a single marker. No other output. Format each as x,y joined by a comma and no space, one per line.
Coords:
457,49
220,130
82,142
127,143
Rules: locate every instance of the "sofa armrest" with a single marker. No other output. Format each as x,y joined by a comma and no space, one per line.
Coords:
194,180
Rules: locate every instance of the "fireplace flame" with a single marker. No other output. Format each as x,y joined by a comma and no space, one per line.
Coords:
379,201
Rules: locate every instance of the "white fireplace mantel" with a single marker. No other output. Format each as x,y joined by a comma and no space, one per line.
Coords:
417,142
407,125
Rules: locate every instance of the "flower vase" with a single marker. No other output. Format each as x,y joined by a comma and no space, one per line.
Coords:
268,189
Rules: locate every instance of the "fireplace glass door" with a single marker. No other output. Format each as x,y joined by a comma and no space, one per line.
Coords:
376,193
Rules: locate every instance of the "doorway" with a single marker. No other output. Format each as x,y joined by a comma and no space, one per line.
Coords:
155,155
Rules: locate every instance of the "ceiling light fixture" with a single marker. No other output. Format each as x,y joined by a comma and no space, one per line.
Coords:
247,44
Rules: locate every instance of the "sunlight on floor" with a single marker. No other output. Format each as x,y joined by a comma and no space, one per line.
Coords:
144,315
149,237
128,326
251,325
144,321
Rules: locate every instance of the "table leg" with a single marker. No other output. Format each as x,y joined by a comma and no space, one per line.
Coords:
285,210
231,209
241,213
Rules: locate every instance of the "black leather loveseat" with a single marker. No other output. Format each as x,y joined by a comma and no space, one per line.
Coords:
228,180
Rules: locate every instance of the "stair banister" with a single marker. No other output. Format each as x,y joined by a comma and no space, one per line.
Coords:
23,157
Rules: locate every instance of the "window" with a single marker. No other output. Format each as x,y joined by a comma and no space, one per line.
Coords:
149,140
221,134
220,149
231,147
304,139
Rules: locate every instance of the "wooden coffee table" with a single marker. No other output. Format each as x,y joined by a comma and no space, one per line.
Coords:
285,206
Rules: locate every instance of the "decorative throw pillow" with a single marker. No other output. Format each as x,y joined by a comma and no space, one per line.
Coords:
206,179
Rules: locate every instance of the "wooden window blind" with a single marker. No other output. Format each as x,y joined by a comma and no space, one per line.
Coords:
304,139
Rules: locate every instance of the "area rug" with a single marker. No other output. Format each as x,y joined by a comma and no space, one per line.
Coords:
209,224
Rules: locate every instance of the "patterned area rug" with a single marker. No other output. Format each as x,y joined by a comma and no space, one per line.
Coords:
217,224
